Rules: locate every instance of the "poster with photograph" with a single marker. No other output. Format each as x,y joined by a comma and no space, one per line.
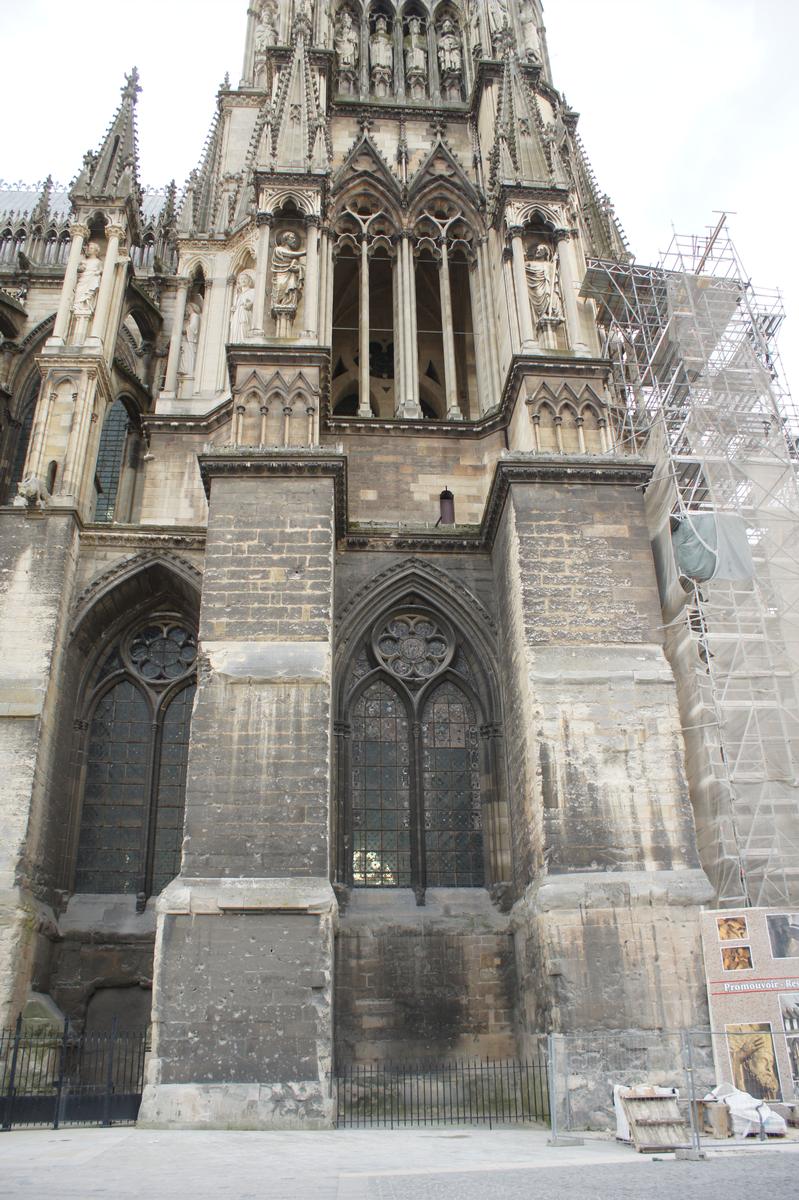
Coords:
753,1060
789,1006
736,958
732,929
783,932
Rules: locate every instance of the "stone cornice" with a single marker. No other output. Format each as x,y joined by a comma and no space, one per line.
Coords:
255,461
540,468
140,537
514,469
189,423
498,418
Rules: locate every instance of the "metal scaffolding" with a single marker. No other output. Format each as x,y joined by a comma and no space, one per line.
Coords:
692,345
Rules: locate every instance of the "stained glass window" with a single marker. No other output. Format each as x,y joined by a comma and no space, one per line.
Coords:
114,817
131,830
380,790
109,460
451,787
415,799
171,795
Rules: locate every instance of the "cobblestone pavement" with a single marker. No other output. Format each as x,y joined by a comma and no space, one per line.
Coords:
126,1164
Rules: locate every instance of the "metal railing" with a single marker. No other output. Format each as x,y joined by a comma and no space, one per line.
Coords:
392,1095
53,1078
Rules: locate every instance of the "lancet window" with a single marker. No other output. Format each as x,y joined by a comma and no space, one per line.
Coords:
110,461
405,337
414,761
135,750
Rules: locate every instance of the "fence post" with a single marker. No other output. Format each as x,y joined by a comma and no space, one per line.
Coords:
553,1088
7,1119
109,1076
59,1088
688,1064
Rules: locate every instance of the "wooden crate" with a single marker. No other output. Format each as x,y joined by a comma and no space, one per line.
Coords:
656,1122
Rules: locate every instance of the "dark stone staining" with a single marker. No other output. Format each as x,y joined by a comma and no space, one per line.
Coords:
416,994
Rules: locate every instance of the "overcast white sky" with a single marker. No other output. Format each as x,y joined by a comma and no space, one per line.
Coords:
688,106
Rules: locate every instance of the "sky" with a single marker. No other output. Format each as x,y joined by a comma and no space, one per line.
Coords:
688,107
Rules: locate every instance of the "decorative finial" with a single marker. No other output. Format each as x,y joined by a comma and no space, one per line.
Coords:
131,89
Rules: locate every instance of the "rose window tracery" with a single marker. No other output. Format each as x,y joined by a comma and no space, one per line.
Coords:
414,647
162,652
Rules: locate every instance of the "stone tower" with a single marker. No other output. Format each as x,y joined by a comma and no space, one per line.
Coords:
336,710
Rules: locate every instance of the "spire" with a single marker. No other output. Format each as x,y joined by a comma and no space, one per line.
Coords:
300,139
112,172
518,154
200,198
41,212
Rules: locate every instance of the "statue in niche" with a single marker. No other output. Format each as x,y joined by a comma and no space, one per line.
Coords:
498,21
474,26
243,304
191,336
266,33
381,57
529,23
543,286
90,271
416,59
288,277
347,44
450,60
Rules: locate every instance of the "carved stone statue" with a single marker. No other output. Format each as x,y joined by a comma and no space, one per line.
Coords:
543,287
450,60
266,33
416,59
475,35
381,58
90,271
498,20
191,336
243,304
288,276
31,491
347,43
530,38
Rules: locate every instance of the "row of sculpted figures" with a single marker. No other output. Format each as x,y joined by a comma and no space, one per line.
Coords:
414,51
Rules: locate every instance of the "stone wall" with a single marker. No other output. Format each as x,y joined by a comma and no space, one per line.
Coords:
433,983
38,556
607,876
244,952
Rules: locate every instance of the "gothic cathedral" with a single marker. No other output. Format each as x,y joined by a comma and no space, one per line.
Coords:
335,721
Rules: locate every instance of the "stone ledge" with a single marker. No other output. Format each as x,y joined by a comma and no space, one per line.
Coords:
616,890
446,910
110,914
218,897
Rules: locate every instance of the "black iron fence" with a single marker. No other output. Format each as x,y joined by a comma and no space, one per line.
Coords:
54,1078
479,1092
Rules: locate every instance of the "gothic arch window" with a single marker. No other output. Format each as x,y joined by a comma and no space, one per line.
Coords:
110,460
135,751
415,767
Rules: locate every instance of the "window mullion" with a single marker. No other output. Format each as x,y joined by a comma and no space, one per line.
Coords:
153,777
418,851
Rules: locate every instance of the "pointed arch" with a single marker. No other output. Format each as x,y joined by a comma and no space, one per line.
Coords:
132,664
414,641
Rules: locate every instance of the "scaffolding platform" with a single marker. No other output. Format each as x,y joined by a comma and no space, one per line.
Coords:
700,389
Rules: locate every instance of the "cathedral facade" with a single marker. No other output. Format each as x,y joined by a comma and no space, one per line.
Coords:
335,720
